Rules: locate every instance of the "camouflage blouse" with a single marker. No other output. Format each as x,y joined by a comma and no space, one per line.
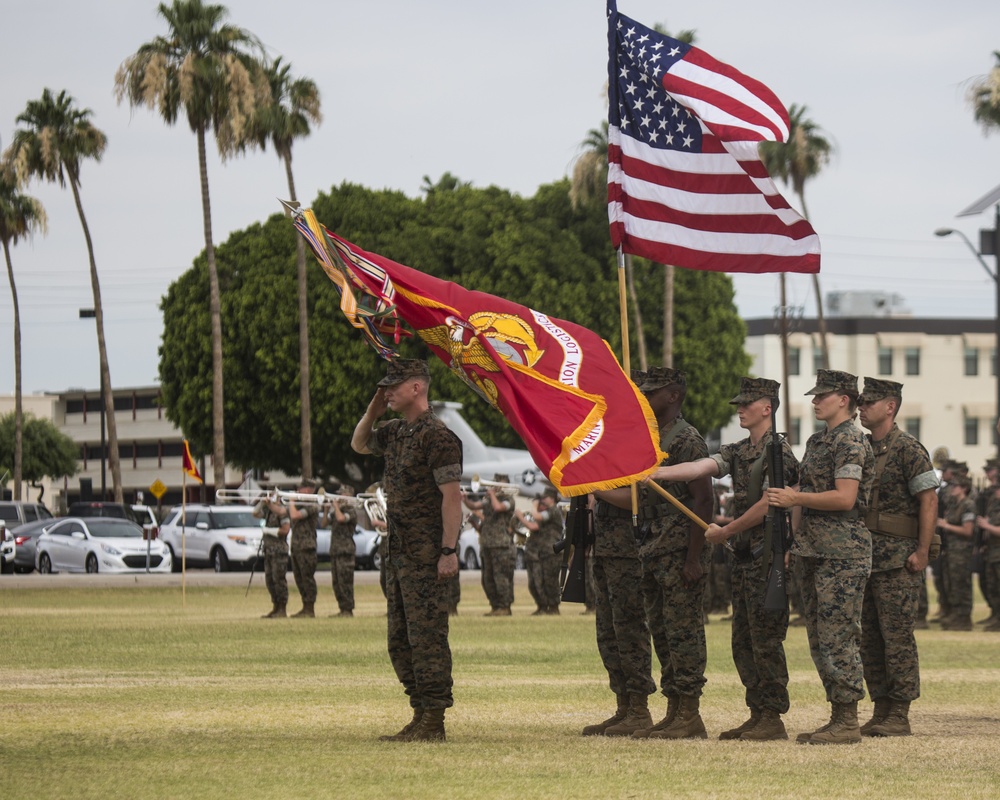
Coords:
419,457
342,533
737,459
495,530
669,533
841,453
908,471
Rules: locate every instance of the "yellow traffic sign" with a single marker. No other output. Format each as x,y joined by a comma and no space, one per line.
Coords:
158,489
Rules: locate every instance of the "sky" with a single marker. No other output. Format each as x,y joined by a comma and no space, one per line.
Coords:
497,94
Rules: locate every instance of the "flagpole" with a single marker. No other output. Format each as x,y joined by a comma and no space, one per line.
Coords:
184,495
626,358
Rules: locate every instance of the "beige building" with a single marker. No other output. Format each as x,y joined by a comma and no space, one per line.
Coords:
947,368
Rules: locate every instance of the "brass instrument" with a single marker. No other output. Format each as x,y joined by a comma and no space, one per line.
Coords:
375,508
478,487
320,498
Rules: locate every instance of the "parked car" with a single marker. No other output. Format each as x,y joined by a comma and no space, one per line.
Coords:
25,539
16,513
7,550
146,517
468,549
101,508
366,542
98,544
221,536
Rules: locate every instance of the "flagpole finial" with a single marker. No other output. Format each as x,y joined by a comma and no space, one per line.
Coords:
291,206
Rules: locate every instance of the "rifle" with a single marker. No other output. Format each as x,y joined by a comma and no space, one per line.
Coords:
777,524
573,576
253,564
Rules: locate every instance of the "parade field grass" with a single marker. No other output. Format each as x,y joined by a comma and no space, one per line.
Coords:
118,689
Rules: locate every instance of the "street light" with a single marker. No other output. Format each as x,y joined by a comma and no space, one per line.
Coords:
90,313
996,283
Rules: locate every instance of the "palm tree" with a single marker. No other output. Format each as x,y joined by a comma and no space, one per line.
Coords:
20,216
294,105
984,96
208,71
57,136
795,161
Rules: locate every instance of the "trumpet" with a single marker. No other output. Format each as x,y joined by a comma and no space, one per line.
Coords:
478,486
320,498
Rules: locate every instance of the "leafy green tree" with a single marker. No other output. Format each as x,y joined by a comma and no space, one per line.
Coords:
984,96
48,452
293,108
210,72
20,216
55,139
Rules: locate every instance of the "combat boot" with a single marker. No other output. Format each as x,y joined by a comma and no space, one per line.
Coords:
770,728
687,724
896,722
618,716
735,733
673,700
845,728
805,736
404,734
637,717
430,728
882,706
271,613
307,611
279,612
957,622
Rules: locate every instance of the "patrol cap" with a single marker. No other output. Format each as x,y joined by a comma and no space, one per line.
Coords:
550,491
961,467
658,377
501,477
638,376
991,463
878,389
831,380
964,481
402,369
752,389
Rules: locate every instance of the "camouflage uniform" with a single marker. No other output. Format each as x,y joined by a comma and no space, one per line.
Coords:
889,612
497,553
342,556
758,636
275,558
622,632
419,457
993,555
542,562
959,562
673,608
304,553
833,556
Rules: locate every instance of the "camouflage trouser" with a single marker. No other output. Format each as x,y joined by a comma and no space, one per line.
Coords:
792,588
758,640
939,569
543,581
676,622
923,601
453,590
276,576
417,605
718,588
342,571
498,575
888,648
622,633
590,589
832,593
992,573
959,571
304,570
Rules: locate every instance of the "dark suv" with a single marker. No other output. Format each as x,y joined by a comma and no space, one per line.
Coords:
98,508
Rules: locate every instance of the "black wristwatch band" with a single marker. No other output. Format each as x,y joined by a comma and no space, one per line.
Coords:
448,551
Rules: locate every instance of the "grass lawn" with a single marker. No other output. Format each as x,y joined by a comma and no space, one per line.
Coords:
122,691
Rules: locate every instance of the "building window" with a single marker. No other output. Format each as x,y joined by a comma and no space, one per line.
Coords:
972,430
885,361
818,426
912,360
794,355
818,361
971,361
795,434
912,426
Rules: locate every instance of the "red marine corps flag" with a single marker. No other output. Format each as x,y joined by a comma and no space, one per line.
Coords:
557,383
188,465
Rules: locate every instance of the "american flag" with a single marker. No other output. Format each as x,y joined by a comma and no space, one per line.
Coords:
686,185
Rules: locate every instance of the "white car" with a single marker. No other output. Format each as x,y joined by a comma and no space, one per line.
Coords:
7,549
98,544
366,544
221,536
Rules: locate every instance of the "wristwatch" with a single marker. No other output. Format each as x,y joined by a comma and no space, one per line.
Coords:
448,551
